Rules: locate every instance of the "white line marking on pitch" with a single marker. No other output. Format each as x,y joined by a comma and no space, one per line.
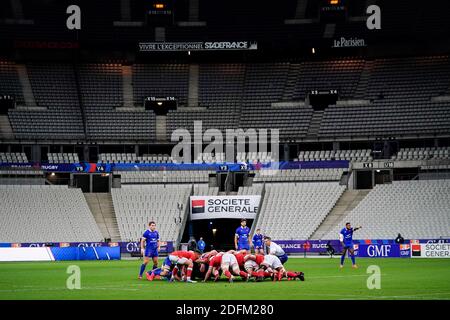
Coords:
347,276
342,296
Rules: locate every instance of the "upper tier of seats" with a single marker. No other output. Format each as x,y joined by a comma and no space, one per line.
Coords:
160,80
395,96
101,84
55,92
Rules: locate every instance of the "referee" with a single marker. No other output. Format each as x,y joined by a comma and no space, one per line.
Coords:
273,248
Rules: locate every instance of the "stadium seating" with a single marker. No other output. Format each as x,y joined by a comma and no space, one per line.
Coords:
415,209
132,158
320,155
264,84
210,158
205,190
220,85
108,123
251,157
9,81
395,79
101,84
271,175
54,85
160,80
295,210
101,91
213,118
395,96
422,153
54,88
386,117
14,157
176,176
437,167
342,75
27,176
401,92
21,180
45,214
63,158
53,125
255,189
21,172
136,205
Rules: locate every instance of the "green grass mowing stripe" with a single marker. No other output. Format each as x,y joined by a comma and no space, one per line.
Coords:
400,279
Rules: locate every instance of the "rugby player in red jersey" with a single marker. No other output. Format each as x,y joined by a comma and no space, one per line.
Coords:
183,258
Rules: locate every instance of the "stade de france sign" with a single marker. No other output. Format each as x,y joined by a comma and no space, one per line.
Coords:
197,46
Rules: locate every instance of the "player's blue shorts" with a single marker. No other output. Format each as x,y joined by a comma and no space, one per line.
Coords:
151,252
167,262
258,246
283,258
242,246
348,246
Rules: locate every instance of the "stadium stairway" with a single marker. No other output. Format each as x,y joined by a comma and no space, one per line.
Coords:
102,209
291,81
314,125
346,203
6,131
127,86
363,83
161,128
194,71
26,85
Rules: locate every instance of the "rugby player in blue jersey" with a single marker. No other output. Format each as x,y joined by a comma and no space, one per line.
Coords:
242,237
258,242
163,272
346,238
151,249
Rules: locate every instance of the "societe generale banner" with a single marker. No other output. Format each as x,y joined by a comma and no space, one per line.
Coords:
430,250
227,207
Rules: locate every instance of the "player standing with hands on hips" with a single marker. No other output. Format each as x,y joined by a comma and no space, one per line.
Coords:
152,246
346,238
242,236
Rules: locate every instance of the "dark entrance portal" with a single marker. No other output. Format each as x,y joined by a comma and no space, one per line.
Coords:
218,233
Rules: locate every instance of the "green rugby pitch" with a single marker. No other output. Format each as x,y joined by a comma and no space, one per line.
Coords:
404,279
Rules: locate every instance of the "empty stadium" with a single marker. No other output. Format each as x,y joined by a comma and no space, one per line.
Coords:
91,111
